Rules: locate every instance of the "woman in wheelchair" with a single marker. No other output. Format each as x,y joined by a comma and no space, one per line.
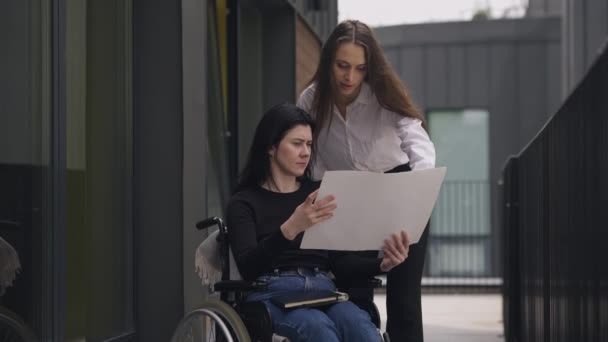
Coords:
274,203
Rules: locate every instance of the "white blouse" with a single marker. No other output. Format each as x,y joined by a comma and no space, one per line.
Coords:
371,138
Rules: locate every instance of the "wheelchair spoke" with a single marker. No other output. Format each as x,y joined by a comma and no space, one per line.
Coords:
12,328
213,321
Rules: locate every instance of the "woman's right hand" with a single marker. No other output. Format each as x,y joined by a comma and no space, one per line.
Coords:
308,214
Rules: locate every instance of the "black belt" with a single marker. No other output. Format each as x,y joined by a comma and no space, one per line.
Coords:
300,269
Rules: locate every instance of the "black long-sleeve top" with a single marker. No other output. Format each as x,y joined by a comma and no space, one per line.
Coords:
254,218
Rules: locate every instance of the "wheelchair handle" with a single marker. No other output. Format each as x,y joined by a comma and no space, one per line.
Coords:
212,221
222,238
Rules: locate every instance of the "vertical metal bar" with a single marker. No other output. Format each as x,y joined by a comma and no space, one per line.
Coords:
232,23
58,184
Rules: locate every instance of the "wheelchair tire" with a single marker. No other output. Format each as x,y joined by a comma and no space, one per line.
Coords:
212,321
12,328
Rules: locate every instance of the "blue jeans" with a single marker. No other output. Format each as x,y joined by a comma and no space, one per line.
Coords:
342,321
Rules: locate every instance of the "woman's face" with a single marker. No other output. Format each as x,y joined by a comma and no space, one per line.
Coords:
291,156
349,70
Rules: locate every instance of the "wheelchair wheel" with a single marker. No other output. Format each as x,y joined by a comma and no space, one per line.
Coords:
12,328
213,321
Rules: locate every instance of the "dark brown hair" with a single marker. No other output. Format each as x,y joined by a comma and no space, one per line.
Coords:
271,129
381,77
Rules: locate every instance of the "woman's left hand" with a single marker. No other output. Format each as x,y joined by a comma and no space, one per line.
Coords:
396,249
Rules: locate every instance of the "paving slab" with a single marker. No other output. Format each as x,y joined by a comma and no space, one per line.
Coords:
458,318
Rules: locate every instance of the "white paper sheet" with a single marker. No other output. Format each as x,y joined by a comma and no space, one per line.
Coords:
372,206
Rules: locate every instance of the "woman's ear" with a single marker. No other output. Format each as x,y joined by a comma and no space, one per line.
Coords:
272,150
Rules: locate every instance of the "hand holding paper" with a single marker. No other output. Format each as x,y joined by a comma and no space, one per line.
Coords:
308,214
372,206
396,249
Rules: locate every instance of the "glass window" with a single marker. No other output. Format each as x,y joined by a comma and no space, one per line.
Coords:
99,288
460,224
25,157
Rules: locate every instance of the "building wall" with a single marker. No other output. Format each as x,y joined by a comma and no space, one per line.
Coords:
278,52
585,31
544,8
308,51
511,68
321,15
157,167
266,65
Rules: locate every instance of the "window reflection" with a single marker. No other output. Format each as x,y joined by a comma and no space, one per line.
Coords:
99,247
25,145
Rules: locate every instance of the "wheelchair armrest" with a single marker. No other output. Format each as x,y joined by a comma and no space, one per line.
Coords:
239,286
212,221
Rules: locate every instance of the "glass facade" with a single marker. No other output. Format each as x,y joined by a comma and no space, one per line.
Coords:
99,260
460,225
26,163
66,165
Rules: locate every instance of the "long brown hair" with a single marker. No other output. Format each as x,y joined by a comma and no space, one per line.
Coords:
381,77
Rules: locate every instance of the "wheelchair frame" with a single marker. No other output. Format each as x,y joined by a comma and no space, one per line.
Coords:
247,321
13,329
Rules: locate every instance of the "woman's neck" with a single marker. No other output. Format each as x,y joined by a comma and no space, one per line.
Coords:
343,101
281,183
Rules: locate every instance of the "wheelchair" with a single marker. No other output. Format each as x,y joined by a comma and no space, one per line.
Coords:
12,327
231,318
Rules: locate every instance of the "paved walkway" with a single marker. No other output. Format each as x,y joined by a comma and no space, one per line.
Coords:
458,318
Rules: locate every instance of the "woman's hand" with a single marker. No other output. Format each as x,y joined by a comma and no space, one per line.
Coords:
396,249
308,214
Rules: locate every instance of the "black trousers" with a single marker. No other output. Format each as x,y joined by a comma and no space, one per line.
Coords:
403,295
403,292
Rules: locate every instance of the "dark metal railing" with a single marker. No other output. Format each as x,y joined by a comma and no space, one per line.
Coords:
555,220
459,250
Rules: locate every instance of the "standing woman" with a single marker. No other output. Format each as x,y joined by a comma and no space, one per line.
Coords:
367,121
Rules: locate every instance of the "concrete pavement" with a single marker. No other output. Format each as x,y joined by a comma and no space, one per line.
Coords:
458,318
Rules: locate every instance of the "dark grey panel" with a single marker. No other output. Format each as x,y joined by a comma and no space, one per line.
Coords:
393,57
195,165
469,32
585,31
539,8
596,22
576,31
504,113
504,130
554,78
250,79
157,167
321,16
278,32
456,77
531,88
17,71
411,71
436,88
478,76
